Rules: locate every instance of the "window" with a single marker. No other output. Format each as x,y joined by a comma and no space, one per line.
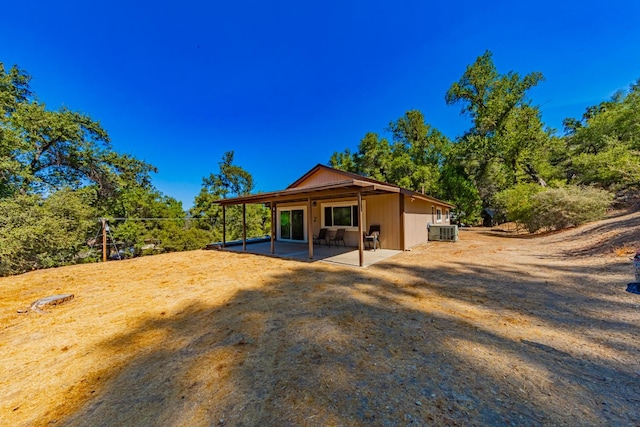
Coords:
438,215
446,214
340,215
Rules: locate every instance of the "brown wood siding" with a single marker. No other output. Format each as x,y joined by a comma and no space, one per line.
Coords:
415,229
350,236
383,210
320,178
417,206
417,213
428,208
380,210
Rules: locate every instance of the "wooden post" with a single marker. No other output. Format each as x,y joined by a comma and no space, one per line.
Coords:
244,227
104,239
401,216
273,228
224,226
360,233
310,227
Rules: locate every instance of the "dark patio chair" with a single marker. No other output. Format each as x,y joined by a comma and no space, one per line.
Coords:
339,237
373,238
321,236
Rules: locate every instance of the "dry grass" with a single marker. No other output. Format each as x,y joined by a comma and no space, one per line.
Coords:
625,251
490,330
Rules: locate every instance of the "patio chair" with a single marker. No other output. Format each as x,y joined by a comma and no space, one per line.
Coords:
339,237
321,236
373,238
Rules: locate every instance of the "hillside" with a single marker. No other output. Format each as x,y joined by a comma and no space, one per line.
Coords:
490,330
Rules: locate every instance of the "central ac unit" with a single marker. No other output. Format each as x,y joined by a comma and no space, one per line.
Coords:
445,233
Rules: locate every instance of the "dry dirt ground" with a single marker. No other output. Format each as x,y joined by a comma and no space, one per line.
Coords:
492,330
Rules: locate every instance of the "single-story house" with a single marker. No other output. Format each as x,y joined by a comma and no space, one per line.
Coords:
329,198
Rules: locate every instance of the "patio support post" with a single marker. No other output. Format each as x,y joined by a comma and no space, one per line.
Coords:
224,226
244,227
360,233
273,228
401,216
310,228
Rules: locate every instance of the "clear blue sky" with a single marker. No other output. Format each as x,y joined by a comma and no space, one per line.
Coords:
285,84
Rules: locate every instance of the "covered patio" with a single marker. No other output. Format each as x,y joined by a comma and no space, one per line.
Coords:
349,256
308,196
346,205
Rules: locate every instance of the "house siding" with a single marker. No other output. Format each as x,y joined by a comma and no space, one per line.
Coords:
380,210
350,236
321,178
417,215
415,229
383,210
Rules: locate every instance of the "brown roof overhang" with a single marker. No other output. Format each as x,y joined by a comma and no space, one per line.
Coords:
345,188
342,189
424,197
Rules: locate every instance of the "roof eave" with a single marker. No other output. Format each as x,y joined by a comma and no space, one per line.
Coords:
426,198
342,188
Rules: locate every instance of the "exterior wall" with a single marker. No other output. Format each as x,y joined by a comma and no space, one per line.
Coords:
350,236
380,210
321,178
384,210
417,215
415,229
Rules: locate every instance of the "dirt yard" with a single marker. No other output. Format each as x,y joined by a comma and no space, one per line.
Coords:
492,330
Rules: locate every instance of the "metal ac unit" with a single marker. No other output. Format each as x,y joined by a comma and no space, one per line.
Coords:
446,233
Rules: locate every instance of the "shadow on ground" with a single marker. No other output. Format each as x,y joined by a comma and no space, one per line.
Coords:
317,347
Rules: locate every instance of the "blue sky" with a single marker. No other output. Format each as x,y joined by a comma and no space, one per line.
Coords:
285,84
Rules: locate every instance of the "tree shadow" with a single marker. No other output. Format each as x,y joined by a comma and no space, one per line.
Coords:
318,346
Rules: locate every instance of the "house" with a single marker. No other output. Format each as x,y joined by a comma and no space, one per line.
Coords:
329,198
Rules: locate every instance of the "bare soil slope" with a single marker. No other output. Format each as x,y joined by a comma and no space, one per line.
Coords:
490,330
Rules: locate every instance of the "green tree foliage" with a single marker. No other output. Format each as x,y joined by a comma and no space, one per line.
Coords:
413,160
59,173
373,158
508,158
38,232
458,188
230,181
14,89
45,150
507,143
603,148
154,218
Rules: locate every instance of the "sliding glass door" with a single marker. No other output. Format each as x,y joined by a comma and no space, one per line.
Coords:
297,224
291,224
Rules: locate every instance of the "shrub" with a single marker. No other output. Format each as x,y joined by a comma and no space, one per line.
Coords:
515,202
540,208
565,207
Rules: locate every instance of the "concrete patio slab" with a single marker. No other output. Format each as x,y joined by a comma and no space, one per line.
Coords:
331,254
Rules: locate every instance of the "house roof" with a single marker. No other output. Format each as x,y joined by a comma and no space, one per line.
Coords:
322,168
351,185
